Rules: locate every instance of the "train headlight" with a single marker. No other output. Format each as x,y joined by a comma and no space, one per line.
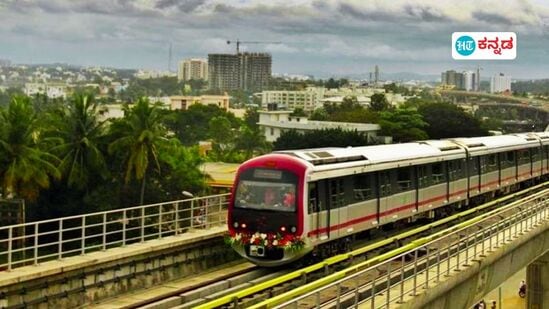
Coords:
293,229
283,229
235,224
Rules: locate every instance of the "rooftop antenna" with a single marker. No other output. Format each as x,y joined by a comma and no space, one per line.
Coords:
170,58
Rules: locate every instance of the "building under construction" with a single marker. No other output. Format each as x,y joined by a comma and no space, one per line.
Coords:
246,71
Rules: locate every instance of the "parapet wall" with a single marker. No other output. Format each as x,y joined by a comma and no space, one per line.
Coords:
82,280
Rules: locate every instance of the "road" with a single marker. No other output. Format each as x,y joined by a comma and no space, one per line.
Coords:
509,293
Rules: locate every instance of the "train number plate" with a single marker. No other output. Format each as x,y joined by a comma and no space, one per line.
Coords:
257,250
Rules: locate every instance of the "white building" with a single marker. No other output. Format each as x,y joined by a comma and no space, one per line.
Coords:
308,99
315,97
468,81
274,123
500,83
146,74
184,102
194,68
50,90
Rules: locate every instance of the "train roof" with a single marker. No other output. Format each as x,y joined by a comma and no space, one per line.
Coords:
348,159
378,153
489,144
543,136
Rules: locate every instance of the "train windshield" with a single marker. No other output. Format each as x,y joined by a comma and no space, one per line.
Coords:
257,191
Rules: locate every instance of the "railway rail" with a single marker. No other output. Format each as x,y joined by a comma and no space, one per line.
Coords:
392,278
260,289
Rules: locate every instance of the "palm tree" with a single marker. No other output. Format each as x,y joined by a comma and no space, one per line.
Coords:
25,167
78,131
142,136
251,141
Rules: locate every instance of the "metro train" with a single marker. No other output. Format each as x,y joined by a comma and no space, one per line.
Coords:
287,204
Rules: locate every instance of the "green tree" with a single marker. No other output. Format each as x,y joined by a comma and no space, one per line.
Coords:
251,142
181,171
319,138
142,138
348,111
298,112
319,114
8,94
192,125
251,118
79,132
222,136
448,120
25,166
404,125
379,103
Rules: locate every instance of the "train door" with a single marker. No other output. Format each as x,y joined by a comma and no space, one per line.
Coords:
343,209
313,210
384,191
319,210
336,198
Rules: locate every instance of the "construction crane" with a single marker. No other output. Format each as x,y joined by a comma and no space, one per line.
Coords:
238,42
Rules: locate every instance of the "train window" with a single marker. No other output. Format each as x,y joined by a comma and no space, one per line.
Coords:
473,166
266,195
507,159
404,179
438,174
491,163
384,184
313,197
483,164
535,154
337,193
423,176
523,156
363,187
455,169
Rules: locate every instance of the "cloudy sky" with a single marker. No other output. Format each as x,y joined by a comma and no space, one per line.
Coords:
335,37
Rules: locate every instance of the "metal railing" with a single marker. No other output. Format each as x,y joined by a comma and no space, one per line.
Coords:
407,272
36,242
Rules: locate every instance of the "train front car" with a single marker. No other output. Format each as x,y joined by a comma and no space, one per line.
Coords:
267,209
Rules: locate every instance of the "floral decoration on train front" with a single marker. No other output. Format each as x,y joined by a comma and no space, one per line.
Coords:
269,240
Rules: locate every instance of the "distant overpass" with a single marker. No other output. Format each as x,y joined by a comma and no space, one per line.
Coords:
526,102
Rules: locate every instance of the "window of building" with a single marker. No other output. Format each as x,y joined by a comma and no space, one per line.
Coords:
272,131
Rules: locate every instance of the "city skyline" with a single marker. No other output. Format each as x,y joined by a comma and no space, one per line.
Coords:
335,38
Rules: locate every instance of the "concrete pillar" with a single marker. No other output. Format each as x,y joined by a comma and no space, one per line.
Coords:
537,282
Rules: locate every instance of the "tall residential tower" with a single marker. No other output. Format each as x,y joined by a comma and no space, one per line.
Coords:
192,69
246,71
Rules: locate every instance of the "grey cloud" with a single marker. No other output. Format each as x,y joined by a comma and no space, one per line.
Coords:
425,13
347,9
185,6
493,18
223,8
103,7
